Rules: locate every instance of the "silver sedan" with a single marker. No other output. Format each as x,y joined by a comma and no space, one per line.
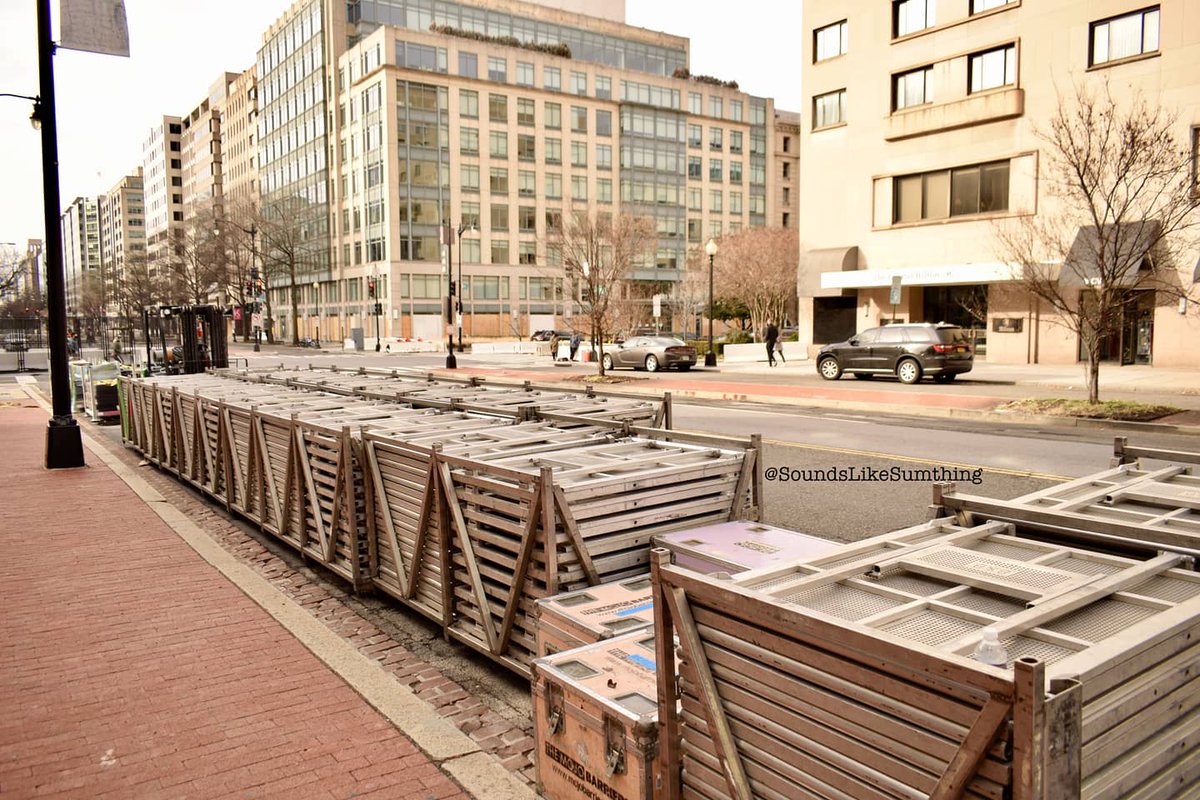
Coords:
651,353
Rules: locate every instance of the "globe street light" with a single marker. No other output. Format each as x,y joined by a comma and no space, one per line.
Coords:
710,358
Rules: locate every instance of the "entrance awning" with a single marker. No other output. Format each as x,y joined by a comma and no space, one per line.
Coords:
1112,255
815,263
941,275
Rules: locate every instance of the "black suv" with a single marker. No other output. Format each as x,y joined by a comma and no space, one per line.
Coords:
909,352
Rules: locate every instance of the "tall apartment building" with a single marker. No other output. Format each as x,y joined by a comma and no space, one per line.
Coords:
435,118
922,136
202,143
162,171
122,233
239,134
81,253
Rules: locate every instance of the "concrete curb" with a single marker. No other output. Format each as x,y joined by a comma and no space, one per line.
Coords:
479,773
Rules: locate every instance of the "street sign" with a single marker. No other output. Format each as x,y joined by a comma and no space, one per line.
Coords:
894,297
256,320
657,306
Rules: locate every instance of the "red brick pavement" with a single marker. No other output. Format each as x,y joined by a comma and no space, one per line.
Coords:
130,668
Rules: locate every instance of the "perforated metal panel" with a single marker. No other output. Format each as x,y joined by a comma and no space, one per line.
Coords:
844,602
970,564
1170,589
1023,646
913,584
931,627
1100,620
1087,566
996,605
1008,550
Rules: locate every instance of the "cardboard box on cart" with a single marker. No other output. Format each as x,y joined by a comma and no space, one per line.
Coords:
595,713
586,616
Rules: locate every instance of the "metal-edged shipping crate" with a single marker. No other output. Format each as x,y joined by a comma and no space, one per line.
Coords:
586,616
737,546
595,713
853,676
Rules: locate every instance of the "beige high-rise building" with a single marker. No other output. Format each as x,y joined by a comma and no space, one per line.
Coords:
122,233
239,133
81,255
202,143
922,137
437,120
162,178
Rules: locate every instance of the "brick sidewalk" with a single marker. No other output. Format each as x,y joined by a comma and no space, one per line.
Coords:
130,668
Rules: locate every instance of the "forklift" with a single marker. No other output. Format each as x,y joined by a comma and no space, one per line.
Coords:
201,332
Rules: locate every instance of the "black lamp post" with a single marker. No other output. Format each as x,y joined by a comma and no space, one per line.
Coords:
448,238
317,303
377,307
458,304
710,358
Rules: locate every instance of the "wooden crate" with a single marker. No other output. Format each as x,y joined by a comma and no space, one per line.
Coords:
587,616
1123,509
852,676
595,721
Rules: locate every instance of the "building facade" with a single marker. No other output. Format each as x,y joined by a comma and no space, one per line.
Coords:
437,119
239,134
122,235
81,255
162,171
922,142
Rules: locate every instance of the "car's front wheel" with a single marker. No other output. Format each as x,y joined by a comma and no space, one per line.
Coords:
829,368
908,371
652,363
607,362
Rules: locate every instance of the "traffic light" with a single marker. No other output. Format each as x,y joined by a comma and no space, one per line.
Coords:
378,309
370,287
453,289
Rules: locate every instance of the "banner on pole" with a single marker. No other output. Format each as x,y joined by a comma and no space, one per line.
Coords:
94,26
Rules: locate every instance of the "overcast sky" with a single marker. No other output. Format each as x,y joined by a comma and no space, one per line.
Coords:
107,105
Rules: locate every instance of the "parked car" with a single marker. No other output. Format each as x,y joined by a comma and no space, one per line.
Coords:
651,353
908,351
14,343
547,335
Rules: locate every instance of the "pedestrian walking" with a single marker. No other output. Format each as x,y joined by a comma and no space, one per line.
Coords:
779,350
771,338
576,340
554,348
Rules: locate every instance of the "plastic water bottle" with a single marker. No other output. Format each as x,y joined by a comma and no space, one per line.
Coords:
990,651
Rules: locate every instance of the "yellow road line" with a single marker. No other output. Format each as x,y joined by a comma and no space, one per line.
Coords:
914,460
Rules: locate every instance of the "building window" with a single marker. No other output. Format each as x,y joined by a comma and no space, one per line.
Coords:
468,104
603,123
524,74
526,183
579,154
1196,159
910,16
603,87
554,185
470,214
525,115
498,144
500,251
499,214
715,109
498,180
735,202
695,103
497,69
552,79
527,219
787,220
553,219
1124,37
694,199
829,109
994,68
694,135
963,191
553,116
579,83
527,252
787,170
714,200
912,88
716,137
553,151
470,177
735,172
468,141
830,41
736,110
468,64
579,119
526,147
579,187
695,168
604,190
604,156
980,6
716,170
497,108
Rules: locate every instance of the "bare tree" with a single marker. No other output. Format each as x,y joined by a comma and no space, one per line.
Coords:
688,297
287,249
1123,207
599,251
195,265
12,264
238,229
757,267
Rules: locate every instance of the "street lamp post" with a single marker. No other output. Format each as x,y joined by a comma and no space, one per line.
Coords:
448,239
710,358
377,307
458,305
254,307
317,303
